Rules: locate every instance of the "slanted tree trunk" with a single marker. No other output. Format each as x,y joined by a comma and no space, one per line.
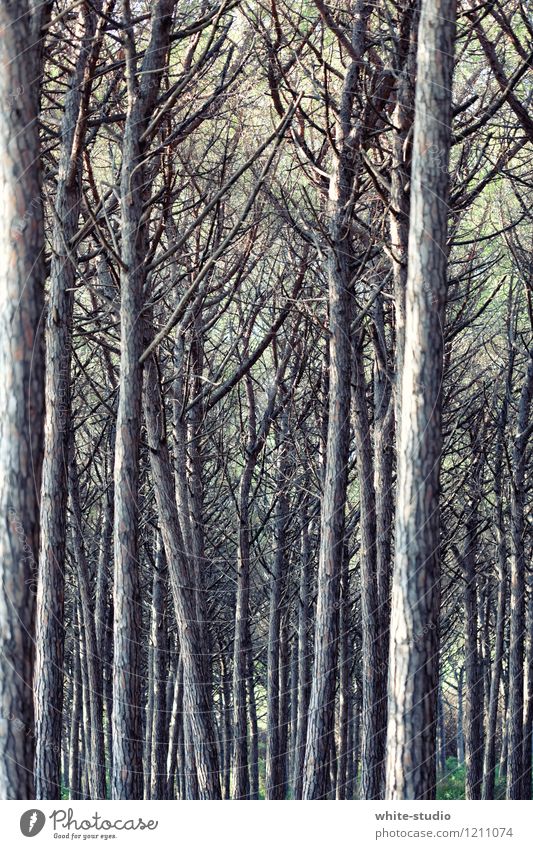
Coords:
22,276
413,674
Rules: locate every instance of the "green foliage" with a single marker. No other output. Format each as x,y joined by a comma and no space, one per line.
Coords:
452,784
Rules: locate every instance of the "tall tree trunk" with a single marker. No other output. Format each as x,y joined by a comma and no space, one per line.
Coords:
159,642
374,714
274,783
321,717
22,276
460,718
413,675
49,631
254,726
198,709
473,718
74,783
134,187
97,776
515,781
303,649
489,761
344,680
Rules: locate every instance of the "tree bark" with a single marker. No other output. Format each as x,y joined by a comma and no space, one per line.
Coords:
413,675
515,779
22,276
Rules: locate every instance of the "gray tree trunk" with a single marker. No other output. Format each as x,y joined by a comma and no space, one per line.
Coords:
413,673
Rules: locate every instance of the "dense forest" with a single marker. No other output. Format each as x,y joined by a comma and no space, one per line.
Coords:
266,383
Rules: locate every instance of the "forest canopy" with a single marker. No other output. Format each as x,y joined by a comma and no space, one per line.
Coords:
265,408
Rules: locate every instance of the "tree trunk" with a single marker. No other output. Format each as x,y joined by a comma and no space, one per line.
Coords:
413,675
134,187
49,632
274,783
515,780
199,725
159,642
303,650
97,776
22,277
321,719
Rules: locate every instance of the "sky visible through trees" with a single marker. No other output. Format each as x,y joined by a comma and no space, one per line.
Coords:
265,399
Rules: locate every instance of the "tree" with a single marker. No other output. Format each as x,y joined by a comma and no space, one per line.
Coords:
22,275
413,676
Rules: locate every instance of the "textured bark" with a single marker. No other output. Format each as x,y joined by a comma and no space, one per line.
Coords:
74,777
21,391
441,730
344,681
304,616
255,440
158,719
134,188
460,718
322,699
54,493
175,733
225,757
402,119
473,716
197,704
515,781
373,609
253,726
96,764
274,778
240,772
528,696
284,704
413,675
489,759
